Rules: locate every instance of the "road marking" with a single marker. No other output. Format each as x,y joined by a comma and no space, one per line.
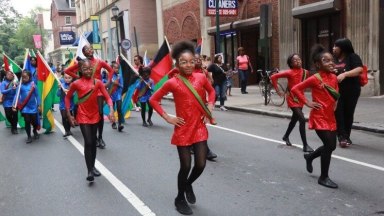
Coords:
298,146
139,205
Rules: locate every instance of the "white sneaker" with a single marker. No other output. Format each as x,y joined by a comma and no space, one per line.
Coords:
137,109
222,108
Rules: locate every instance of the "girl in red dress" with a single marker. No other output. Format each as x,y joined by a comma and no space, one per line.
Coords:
322,118
88,117
294,75
190,130
97,65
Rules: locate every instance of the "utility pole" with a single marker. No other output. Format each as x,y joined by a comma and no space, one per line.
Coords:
218,50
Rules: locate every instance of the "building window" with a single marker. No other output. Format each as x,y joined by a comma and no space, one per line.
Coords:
72,4
68,20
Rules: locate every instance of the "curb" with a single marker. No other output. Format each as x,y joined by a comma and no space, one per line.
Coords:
357,126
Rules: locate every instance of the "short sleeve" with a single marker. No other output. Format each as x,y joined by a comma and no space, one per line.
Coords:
354,61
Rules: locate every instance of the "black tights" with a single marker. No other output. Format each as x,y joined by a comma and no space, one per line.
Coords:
100,102
11,117
89,134
143,109
297,116
117,104
30,119
64,119
200,154
329,145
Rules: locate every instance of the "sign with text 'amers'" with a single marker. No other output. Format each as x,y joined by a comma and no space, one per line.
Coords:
226,7
67,37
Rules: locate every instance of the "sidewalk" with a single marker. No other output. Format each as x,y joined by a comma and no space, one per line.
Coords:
368,115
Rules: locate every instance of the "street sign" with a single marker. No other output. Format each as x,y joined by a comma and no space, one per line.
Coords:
126,44
226,7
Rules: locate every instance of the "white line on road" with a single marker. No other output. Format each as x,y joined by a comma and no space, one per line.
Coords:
299,146
139,205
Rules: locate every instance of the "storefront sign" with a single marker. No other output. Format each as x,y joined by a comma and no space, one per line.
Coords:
226,7
67,37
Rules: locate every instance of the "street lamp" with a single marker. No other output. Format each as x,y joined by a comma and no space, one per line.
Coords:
115,17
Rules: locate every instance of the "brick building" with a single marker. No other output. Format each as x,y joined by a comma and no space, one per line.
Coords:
63,18
296,26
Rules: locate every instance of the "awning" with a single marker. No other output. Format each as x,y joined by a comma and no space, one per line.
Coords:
240,24
87,35
315,9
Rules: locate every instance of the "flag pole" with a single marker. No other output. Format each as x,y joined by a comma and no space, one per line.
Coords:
19,87
134,70
201,47
166,40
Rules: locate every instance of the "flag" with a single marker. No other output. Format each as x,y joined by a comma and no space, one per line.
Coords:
146,60
129,84
10,65
162,63
82,42
199,45
70,60
37,41
50,85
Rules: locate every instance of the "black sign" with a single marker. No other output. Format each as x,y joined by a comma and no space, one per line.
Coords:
67,37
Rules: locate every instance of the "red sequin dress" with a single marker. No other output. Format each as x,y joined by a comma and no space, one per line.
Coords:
194,130
323,118
294,77
88,111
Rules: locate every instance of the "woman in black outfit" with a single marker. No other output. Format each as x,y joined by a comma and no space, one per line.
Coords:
348,69
219,74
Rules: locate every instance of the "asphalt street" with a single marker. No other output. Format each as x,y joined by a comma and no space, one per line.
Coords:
254,174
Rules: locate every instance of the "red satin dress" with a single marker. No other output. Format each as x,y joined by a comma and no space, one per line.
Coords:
324,118
194,130
88,111
294,77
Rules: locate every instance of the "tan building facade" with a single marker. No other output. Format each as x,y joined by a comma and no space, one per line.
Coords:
296,26
136,23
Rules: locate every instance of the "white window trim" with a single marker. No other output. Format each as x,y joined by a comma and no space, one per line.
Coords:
74,4
70,20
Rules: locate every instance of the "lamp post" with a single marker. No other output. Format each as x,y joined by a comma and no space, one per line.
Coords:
115,17
218,50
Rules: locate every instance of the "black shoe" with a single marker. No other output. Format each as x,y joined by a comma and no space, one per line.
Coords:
70,133
287,142
67,133
145,124
349,141
327,182
35,135
96,172
245,92
309,163
97,143
90,177
101,143
182,207
114,126
14,131
307,148
211,155
191,198
150,122
29,140
121,127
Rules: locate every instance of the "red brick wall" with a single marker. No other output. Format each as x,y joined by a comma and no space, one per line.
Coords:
182,21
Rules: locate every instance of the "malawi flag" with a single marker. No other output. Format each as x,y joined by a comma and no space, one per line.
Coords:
10,65
199,44
49,90
161,65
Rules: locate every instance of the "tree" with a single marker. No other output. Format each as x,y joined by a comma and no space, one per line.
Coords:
9,18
